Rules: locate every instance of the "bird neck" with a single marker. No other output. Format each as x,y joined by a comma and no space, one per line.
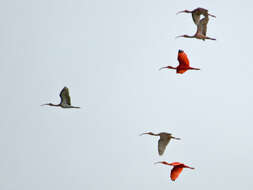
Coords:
150,133
56,105
163,162
168,67
187,36
50,104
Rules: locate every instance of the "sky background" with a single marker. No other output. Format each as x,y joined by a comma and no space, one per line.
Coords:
108,54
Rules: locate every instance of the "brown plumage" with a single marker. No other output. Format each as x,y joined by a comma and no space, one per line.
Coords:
201,30
65,100
163,141
196,13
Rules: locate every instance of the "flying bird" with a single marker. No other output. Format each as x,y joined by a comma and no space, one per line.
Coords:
196,14
176,170
65,100
163,141
184,63
201,31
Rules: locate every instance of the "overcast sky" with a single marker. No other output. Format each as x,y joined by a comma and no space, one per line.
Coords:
108,52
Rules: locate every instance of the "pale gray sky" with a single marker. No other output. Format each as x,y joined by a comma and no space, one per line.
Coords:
108,53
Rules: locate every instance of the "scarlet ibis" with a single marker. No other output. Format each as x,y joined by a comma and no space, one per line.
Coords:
65,100
184,63
201,31
176,170
196,14
163,141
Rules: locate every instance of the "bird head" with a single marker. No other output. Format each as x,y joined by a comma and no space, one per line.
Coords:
182,36
167,67
148,133
180,51
163,68
162,162
184,11
48,104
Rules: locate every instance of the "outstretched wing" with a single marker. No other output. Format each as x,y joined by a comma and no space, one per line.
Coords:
175,172
65,98
183,59
162,143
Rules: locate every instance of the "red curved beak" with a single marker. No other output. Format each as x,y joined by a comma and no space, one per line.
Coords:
163,68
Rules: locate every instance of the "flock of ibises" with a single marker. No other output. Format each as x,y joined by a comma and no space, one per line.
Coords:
183,66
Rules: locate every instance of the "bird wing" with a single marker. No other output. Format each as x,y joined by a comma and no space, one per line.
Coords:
175,172
162,143
183,60
196,13
202,26
195,18
65,96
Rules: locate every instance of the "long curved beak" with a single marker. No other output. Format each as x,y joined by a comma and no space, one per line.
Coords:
178,36
158,163
180,12
143,134
43,104
162,68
